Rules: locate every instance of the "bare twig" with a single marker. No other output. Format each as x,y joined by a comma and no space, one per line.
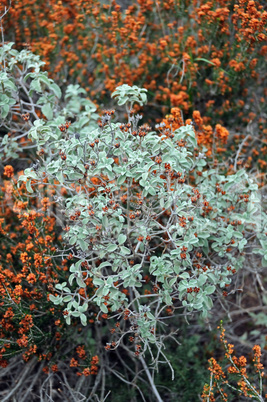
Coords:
150,379
22,378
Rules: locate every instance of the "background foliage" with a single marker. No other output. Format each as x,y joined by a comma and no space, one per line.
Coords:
201,65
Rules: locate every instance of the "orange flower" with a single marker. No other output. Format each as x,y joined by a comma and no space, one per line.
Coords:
31,278
81,352
23,341
73,363
222,133
9,171
216,369
216,61
86,372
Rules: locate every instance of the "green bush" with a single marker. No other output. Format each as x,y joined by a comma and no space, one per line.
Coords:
151,228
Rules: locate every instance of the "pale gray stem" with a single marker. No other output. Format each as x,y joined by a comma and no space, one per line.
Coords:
240,149
150,379
22,378
211,377
30,387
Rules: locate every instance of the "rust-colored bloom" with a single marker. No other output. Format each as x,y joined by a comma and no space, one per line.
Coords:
9,171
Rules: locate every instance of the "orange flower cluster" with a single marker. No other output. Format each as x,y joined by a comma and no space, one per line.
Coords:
216,369
92,370
249,19
27,275
8,171
205,134
257,358
238,367
208,57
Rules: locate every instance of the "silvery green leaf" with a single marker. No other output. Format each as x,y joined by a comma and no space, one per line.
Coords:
4,111
35,86
202,280
83,319
55,88
104,264
122,238
105,290
76,313
184,275
172,282
28,186
80,282
111,248
68,319
152,190
241,244
67,298
104,308
75,304
125,250
210,289
208,302
73,240
121,179
72,276
53,298
83,308
122,101
83,244
98,281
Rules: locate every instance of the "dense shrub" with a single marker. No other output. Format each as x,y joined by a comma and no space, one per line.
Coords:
205,56
141,189
116,226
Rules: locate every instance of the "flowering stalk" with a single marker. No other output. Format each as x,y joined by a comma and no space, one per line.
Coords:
238,367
